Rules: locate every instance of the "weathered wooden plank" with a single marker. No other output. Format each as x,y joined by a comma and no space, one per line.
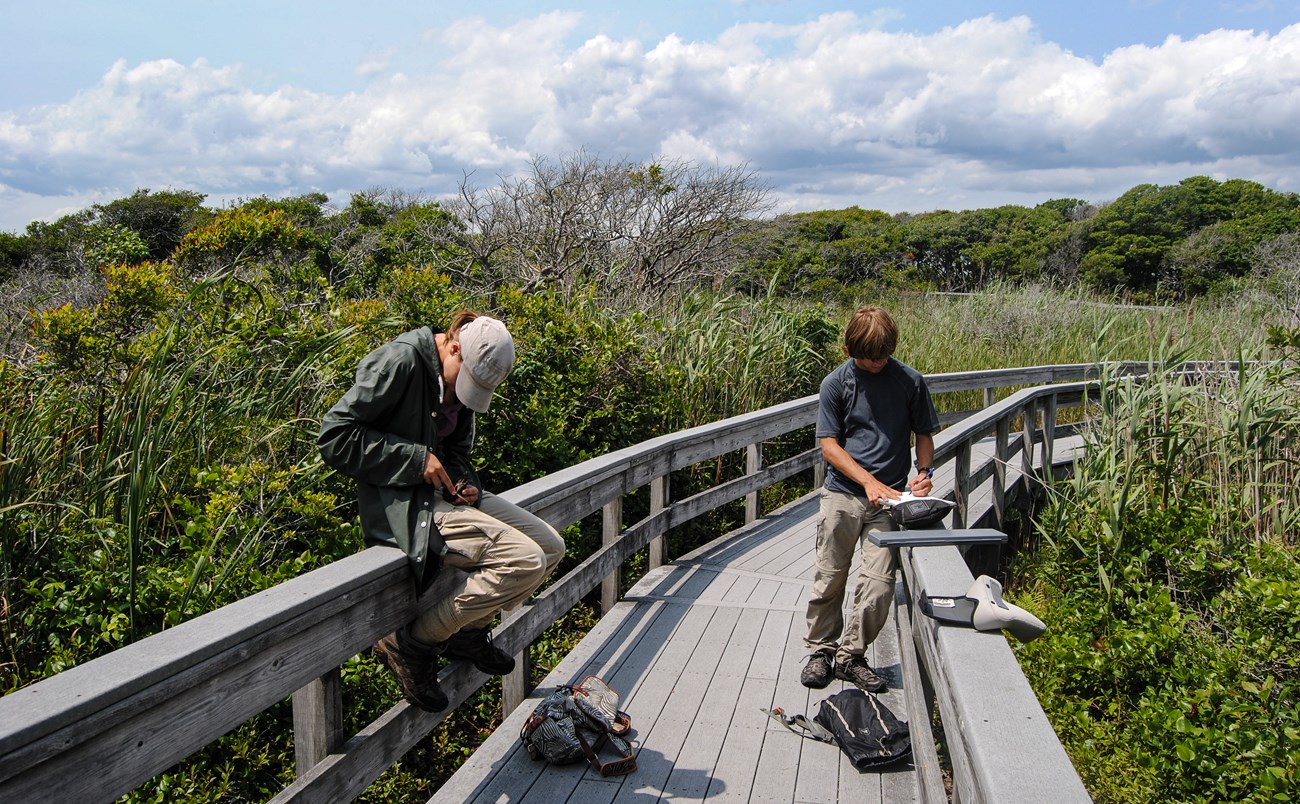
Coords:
782,754
733,773
73,697
697,762
925,756
317,720
657,702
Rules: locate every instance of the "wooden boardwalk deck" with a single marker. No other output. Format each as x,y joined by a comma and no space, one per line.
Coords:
697,648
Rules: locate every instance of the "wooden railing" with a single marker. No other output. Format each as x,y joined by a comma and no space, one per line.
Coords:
96,731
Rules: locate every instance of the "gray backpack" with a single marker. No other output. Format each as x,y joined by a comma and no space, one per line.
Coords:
575,722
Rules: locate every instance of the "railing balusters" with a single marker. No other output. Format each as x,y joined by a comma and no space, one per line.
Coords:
611,527
962,485
1049,436
1027,442
658,501
753,462
1001,456
317,720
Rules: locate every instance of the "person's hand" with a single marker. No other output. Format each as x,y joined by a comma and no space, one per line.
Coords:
878,492
434,472
921,485
464,494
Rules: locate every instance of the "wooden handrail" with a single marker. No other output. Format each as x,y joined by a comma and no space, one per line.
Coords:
95,731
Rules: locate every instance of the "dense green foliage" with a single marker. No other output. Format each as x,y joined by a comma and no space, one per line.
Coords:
1169,576
1152,242
166,365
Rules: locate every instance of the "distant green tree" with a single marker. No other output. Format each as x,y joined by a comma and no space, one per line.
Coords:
1148,241
384,229
59,247
14,251
160,218
307,211
819,253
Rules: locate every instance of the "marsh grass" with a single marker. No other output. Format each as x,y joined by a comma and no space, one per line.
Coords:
1169,575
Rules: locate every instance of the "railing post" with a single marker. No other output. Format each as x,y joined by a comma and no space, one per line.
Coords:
753,462
1049,435
990,396
611,527
961,485
317,721
819,468
1027,445
1001,456
658,502
515,684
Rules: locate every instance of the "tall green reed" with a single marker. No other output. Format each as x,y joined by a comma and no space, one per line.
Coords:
116,451
737,354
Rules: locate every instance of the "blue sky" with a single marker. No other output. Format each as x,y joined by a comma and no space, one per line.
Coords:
898,107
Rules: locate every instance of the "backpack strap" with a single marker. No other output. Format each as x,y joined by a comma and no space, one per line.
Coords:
621,766
805,727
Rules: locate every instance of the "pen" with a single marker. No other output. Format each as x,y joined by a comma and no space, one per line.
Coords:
929,472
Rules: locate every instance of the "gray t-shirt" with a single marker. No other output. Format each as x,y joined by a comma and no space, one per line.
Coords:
873,417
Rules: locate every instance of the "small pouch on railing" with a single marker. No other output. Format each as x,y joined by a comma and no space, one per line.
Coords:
917,512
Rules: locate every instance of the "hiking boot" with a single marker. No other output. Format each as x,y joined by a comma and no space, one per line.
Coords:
415,667
475,645
856,670
817,673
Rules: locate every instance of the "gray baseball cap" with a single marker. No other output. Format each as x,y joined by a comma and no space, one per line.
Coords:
488,354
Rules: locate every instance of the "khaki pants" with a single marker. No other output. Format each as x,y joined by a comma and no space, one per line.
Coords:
507,553
843,525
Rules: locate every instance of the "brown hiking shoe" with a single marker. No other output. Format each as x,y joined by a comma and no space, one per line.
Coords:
856,670
817,673
475,645
415,667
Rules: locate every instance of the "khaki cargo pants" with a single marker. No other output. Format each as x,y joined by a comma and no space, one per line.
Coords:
507,553
842,527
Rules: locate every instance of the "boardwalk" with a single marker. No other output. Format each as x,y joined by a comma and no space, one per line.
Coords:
698,648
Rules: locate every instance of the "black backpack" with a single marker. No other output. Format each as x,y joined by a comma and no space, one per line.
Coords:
859,723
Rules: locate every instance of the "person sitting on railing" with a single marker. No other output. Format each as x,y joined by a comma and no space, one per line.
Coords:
404,432
869,409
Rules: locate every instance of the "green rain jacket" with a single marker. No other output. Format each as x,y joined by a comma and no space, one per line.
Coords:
379,434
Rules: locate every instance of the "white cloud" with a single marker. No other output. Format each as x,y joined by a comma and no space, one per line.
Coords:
830,113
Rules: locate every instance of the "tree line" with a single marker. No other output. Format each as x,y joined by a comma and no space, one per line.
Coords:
635,231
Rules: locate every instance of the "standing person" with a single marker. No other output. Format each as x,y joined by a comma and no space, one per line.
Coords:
869,409
404,432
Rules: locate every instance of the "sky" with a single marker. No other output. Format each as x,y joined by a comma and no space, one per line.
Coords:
899,107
